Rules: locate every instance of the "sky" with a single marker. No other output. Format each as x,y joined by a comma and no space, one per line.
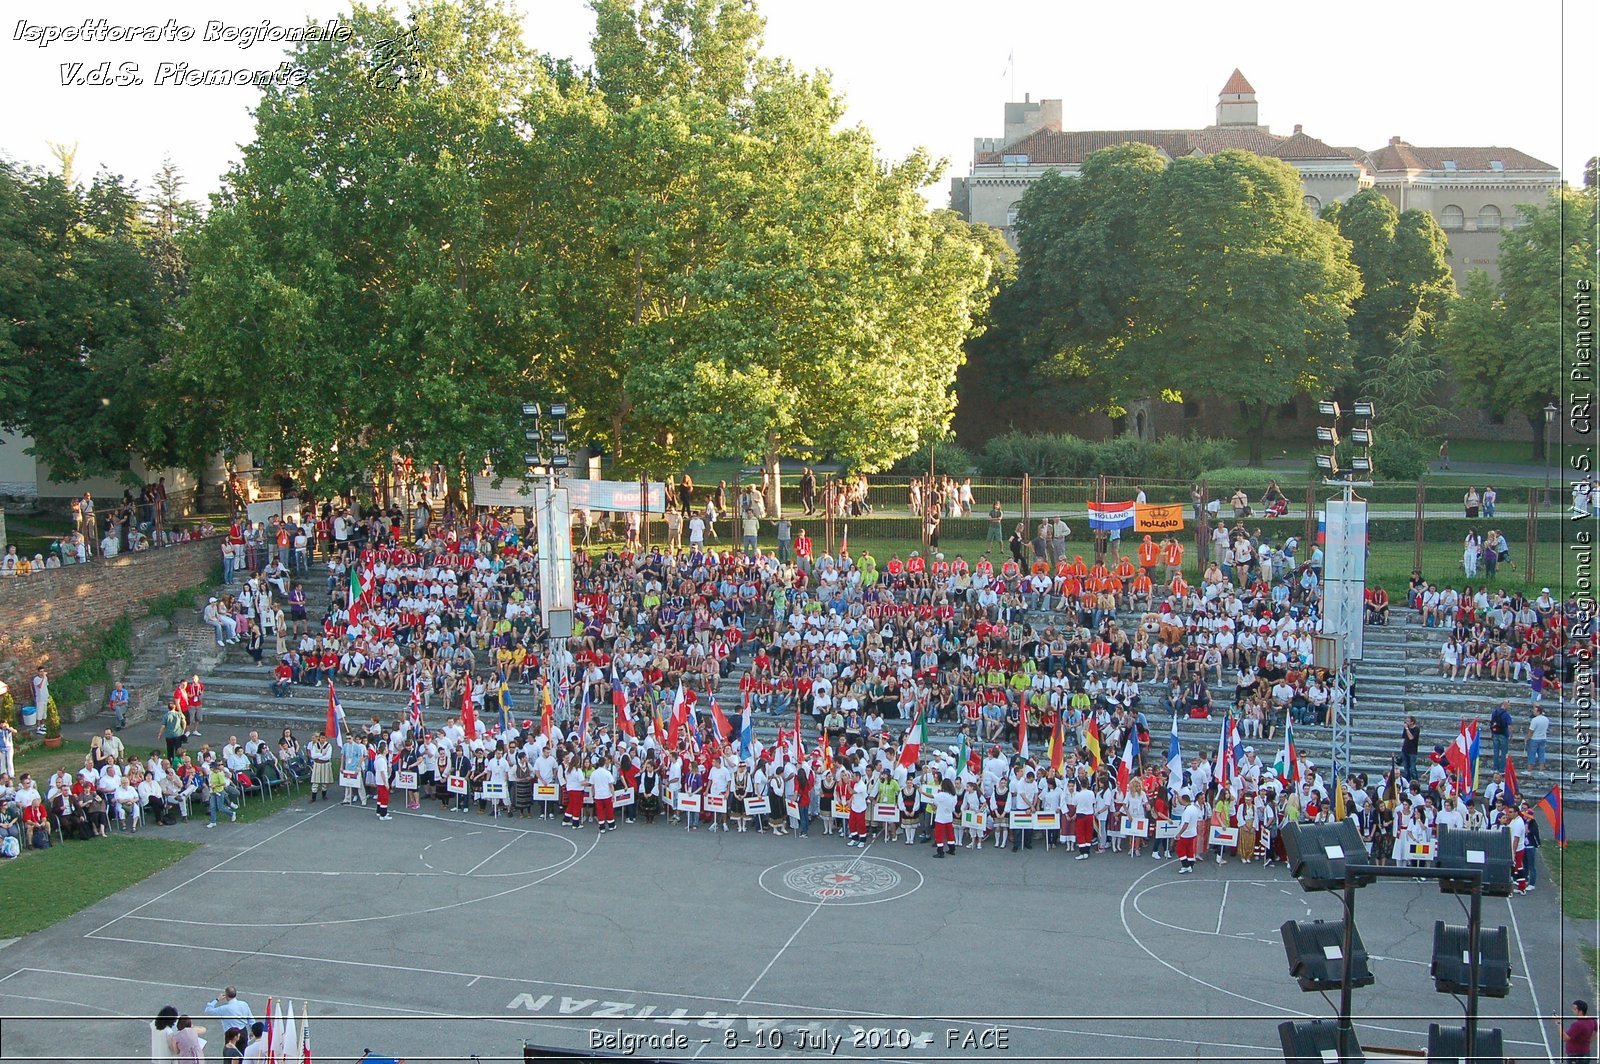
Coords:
927,73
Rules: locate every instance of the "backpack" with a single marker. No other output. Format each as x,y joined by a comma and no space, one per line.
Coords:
9,847
41,838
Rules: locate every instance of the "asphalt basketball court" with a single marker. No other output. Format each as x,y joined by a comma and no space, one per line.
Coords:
443,936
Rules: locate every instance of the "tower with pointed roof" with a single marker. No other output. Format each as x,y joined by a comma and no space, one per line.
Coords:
1236,103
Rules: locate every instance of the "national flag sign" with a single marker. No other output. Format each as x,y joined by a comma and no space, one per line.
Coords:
1126,766
1091,741
358,594
547,715
469,714
915,737
1550,806
416,708
720,720
1462,757
746,732
335,714
1287,766
1174,760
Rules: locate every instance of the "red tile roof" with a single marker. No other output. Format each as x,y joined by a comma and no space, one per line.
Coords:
1049,147
1237,83
1403,156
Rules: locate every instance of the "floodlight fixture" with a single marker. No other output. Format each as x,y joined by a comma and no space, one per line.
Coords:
1364,409
558,410
1318,853
1315,950
1326,434
1328,408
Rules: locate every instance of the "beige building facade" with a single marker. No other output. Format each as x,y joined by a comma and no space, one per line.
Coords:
1473,192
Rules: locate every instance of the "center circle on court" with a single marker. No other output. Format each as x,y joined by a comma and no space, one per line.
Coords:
842,880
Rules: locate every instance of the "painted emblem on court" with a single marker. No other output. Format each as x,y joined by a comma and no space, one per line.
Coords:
852,880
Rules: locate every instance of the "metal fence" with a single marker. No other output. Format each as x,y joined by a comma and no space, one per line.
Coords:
1414,525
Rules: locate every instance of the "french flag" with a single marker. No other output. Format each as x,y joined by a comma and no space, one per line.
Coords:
1125,765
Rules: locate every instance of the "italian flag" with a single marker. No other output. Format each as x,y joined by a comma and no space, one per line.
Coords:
912,751
358,593
1287,766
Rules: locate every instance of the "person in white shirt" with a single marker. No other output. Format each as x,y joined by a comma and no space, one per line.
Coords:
1189,818
944,827
1083,819
604,786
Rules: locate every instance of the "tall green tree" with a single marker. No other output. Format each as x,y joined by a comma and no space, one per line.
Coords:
84,320
1247,293
1407,392
1406,283
360,284
1507,341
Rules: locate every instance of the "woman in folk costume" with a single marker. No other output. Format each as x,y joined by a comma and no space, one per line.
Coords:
694,782
911,812
827,785
320,750
1118,809
971,802
739,792
778,819
649,789
1244,818
999,805
1267,821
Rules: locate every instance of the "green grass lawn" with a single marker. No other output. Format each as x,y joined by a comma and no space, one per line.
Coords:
1576,866
43,887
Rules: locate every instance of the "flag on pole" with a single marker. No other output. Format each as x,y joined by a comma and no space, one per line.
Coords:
335,714
505,718
288,1048
416,708
1125,765
469,715
1550,806
1338,799
827,752
357,592
1513,792
1224,755
799,748
1287,767
1174,760
547,713
1022,729
505,690
270,1031
912,750
720,720
1462,757
305,1035
746,732
676,721
1058,746
584,714
1091,740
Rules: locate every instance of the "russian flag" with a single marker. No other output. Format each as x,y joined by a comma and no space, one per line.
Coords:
1550,806
1110,516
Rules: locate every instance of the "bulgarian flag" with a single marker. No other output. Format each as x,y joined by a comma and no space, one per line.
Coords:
1287,766
915,737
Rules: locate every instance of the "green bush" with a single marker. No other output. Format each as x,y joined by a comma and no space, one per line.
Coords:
1225,480
52,719
1400,458
112,643
8,709
949,459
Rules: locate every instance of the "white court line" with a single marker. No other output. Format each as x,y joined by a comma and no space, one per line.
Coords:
1533,990
489,858
1223,907
208,871
802,927
355,919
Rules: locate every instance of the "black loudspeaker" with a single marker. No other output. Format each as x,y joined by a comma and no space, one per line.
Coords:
1451,960
1487,851
1318,853
1314,1042
1448,1045
1316,955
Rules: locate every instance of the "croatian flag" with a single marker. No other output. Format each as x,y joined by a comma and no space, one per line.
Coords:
1111,516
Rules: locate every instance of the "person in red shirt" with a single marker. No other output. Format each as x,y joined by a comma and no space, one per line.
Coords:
282,680
1579,1035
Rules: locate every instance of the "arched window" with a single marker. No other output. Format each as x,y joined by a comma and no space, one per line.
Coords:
1488,216
1011,215
1452,217
1313,204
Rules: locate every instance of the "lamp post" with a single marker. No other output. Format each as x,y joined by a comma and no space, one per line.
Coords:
1549,419
545,430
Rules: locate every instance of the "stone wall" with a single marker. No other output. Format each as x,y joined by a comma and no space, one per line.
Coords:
40,614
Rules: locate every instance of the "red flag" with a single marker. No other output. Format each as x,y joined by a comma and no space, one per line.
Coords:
269,1031
625,719
547,714
1058,752
1512,790
680,707
723,725
333,714
912,750
469,716
799,750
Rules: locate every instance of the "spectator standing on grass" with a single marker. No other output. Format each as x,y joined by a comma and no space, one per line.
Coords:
232,1009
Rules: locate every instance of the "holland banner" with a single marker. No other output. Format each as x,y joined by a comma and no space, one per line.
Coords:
1110,516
